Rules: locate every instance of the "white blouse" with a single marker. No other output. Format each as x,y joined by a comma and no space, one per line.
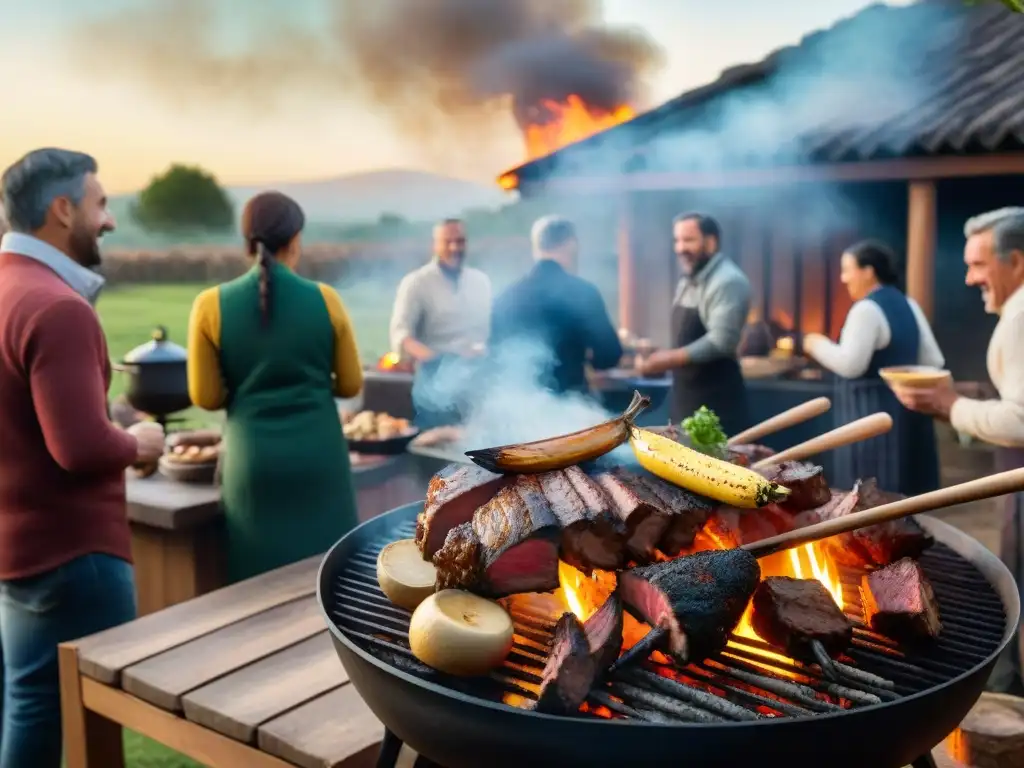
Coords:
866,331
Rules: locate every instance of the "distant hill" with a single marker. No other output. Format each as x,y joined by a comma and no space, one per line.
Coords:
363,197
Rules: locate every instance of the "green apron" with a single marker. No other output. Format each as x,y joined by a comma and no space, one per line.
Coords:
286,484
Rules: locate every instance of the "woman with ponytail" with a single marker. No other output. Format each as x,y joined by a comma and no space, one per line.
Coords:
274,349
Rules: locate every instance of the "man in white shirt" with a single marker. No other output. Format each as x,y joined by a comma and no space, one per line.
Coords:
441,319
994,256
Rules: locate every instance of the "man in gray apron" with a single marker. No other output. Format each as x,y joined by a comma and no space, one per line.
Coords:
709,312
994,256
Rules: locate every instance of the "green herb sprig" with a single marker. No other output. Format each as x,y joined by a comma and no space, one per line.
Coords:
705,432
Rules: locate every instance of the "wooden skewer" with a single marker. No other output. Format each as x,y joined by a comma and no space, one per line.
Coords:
861,429
983,488
999,484
795,415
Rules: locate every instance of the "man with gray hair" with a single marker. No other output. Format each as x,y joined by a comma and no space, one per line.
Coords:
558,311
994,256
65,545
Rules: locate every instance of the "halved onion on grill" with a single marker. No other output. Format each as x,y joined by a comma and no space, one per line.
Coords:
460,633
404,576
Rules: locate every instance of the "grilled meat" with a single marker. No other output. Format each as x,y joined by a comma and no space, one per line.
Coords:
807,485
746,454
639,510
899,602
570,670
511,546
591,536
790,614
731,527
878,545
604,632
688,513
698,599
453,495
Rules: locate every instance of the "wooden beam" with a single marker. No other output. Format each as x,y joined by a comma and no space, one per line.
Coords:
921,237
908,169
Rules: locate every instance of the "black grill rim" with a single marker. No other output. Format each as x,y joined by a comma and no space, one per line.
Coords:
990,566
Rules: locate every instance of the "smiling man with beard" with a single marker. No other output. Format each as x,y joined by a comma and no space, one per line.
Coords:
65,553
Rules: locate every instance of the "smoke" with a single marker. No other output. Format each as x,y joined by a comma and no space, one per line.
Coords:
503,399
427,64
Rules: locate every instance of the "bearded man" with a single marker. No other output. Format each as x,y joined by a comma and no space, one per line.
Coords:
65,549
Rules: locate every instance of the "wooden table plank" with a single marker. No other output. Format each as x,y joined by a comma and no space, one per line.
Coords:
102,656
160,502
163,679
336,730
238,703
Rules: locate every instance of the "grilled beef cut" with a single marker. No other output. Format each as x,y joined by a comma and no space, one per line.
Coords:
639,510
877,545
453,495
592,537
698,598
789,614
746,454
688,513
604,632
511,545
570,670
806,482
899,602
730,527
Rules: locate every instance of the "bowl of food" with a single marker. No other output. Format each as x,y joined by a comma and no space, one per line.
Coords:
914,376
192,457
377,433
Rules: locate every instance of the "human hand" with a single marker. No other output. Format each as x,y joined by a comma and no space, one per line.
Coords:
656,363
150,439
934,401
811,340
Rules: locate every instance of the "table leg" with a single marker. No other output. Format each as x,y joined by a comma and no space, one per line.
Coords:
90,741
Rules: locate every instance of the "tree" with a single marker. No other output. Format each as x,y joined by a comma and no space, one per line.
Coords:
184,198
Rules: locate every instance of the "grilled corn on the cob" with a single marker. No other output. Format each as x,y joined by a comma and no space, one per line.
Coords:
720,480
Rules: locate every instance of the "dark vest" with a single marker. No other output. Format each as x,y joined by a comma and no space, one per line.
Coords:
905,338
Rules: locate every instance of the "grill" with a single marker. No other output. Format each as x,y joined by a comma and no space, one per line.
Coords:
883,704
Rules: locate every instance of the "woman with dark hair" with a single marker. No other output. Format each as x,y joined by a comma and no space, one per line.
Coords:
883,328
274,349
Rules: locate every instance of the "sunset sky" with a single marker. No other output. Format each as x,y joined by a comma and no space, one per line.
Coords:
64,86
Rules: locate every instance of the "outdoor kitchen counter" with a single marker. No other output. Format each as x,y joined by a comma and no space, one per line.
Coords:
178,537
242,677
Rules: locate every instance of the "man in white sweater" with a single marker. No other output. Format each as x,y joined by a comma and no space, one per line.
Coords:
994,256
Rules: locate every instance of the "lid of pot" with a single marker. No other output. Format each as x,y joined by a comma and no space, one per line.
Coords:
159,350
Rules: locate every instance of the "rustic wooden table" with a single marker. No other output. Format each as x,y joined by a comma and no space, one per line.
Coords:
177,535
242,677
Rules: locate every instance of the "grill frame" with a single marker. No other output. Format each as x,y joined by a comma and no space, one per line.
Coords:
461,731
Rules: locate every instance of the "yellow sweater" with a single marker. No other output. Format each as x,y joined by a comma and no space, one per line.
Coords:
205,383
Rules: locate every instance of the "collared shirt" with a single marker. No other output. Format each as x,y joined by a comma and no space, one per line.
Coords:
1000,422
444,313
721,293
866,331
82,281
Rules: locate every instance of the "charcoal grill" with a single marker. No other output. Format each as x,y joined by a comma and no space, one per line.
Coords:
889,707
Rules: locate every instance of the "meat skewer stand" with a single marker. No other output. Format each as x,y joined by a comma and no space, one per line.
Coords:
999,484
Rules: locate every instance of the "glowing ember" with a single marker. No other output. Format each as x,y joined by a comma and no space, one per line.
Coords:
567,122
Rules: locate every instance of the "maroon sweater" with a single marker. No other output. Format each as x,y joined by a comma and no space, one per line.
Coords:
62,461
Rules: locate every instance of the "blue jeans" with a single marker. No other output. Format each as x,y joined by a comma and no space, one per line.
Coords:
84,596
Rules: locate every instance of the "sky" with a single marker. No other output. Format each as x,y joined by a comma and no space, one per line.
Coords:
56,95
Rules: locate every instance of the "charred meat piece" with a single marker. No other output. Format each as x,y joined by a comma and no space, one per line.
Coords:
604,632
688,510
840,504
807,485
790,614
746,454
591,535
730,527
642,513
570,670
878,545
899,602
699,599
510,547
453,495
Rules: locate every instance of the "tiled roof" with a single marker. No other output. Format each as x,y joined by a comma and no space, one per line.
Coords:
934,78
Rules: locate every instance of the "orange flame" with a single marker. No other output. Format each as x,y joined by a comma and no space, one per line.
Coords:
570,121
388,362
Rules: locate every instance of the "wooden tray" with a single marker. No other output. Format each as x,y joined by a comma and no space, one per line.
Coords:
188,473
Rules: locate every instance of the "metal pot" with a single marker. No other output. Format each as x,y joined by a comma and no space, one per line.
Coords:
157,376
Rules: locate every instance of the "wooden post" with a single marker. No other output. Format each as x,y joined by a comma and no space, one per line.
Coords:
627,267
921,237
